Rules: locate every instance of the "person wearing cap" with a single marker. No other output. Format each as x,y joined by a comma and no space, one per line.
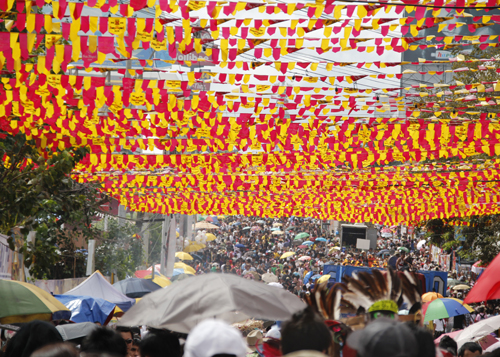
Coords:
253,339
214,337
384,337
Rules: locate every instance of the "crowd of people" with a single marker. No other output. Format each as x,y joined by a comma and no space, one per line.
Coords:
251,247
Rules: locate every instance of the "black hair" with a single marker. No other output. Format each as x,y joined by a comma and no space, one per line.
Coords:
104,340
159,344
425,340
305,331
469,346
32,336
56,350
449,344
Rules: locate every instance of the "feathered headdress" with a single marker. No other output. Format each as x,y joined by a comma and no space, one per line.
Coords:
367,293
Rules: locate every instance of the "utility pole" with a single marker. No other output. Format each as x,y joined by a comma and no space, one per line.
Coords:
164,240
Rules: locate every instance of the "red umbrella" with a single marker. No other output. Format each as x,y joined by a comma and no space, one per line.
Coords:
386,230
488,285
209,219
302,246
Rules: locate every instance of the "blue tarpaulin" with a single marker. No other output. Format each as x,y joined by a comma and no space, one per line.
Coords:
87,308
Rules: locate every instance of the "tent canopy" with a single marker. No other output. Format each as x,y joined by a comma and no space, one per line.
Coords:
98,287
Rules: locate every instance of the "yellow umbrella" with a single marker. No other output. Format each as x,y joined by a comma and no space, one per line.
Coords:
183,256
287,254
210,237
277,224
187,269
159,279
194,247
278,233
324,279
333,250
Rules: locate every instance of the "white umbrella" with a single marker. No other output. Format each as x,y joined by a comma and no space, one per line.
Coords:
478,330
269,278
386,235
277,224
224,296
278,233
421,244
205,225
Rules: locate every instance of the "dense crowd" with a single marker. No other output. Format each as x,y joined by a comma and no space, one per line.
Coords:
253,247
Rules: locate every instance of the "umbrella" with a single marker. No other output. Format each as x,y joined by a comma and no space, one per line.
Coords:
246,228
404,249
461,287
302,246
135,287
333,249
224,296
444,308
453,335
277,233
256,228
323,279
88,308
386,235
276,285
269,278
74,332
477,267
478,330
427,297
188,269
302,235
453,282
277,224
308,276
320,239
287,255
23,302
488,285
315,277
240,245
205,225
308,243
304,258
194,247
210,237
159,279
209,219
421,244
386,230
275,229
183,256
383,251
181,277
260,221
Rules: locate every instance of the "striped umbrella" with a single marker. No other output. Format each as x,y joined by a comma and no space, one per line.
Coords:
23,302
444,308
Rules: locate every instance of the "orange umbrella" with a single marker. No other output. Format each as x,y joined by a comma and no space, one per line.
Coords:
431,296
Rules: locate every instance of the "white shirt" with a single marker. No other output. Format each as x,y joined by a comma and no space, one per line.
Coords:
439,325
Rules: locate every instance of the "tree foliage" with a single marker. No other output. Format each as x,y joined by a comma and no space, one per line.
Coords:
478,236
119,249
38,195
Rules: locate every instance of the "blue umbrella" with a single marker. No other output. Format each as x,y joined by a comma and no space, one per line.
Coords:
320,239
178,272
308,243
135,287
275,229
308,276
87,308
240,246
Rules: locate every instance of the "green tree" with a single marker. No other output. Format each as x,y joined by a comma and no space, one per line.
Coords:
37,194
118,249
479,236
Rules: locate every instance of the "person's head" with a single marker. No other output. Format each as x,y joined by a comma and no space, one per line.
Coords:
127,335
56,350
135,351
214,338
160,344
384,337
470,349
31,337
305,331
448,344
105,340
